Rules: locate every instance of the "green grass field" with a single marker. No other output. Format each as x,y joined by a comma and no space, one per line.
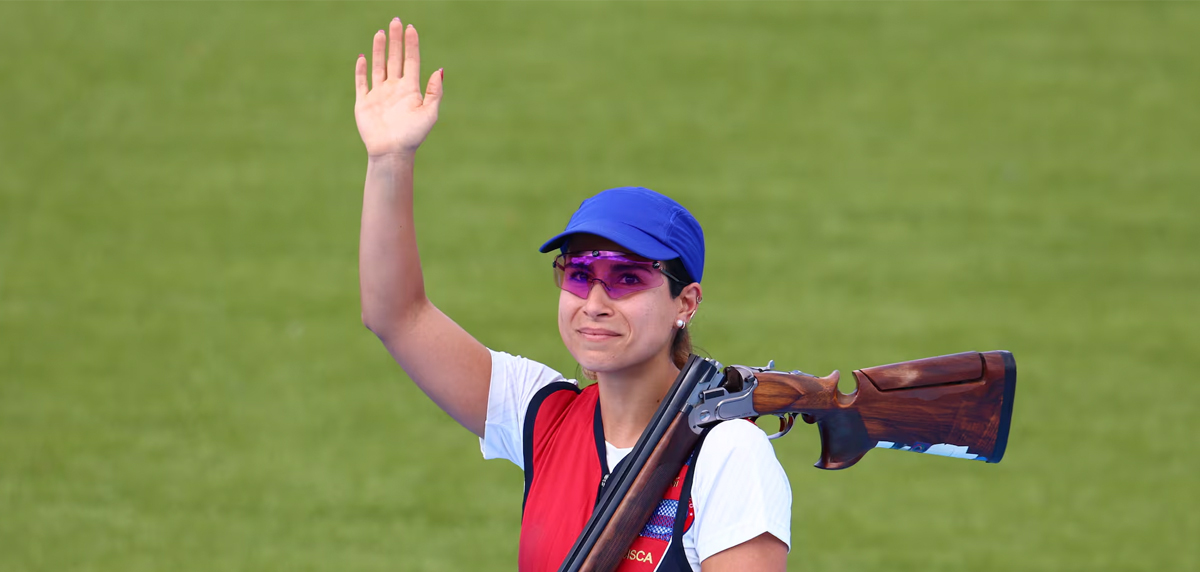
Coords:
185,382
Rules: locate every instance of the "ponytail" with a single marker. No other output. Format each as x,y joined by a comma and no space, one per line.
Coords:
681,348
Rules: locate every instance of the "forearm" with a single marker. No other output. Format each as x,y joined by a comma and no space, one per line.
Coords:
389,268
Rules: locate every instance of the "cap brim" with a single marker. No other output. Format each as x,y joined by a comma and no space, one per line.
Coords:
635,240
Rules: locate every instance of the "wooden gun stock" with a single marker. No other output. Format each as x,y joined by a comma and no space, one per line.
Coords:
958,405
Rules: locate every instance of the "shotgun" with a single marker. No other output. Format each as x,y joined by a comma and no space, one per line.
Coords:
957,405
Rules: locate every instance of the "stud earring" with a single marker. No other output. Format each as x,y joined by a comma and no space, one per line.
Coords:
679,323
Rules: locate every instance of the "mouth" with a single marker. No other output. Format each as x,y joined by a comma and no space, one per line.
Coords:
597,334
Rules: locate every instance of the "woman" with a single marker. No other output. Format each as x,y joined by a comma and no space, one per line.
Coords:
629,270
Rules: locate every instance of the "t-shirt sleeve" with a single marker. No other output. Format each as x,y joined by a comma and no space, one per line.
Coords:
514,382
740,490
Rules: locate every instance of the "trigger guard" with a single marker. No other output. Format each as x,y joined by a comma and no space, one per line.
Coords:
786,422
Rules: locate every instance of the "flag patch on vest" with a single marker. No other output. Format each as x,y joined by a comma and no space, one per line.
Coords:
662,522
650,550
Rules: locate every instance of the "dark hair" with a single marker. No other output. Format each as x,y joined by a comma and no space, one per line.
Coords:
681,346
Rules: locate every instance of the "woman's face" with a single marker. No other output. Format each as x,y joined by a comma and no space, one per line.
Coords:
607,335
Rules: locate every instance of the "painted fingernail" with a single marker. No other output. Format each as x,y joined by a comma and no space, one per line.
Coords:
360,55
396,19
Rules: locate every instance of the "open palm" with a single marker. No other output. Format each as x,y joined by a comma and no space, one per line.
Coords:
392,116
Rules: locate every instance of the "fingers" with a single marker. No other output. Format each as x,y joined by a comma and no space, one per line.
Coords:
378,73
433,91
412,59
402,60
360,78
395,41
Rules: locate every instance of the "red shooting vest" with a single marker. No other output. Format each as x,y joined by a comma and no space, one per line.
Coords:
565,460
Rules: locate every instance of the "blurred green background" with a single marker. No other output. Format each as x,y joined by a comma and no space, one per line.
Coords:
185,382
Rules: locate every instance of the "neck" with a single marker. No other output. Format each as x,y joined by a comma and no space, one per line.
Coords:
629,398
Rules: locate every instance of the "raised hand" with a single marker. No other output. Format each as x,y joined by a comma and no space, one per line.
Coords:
392,116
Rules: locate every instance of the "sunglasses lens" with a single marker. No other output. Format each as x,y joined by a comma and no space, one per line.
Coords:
618,274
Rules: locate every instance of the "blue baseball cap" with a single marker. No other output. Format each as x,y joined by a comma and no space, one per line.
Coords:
648,223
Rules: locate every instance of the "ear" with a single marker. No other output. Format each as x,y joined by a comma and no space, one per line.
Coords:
688,302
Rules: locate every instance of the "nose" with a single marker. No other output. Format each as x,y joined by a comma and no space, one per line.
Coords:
597,303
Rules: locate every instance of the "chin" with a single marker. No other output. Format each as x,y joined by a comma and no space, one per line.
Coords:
596,361
609,360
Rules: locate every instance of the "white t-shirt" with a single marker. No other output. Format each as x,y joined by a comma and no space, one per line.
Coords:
739,490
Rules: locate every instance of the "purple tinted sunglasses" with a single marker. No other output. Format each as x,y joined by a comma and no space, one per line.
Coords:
616,272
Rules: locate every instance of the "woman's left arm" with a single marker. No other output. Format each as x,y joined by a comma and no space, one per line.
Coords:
763,552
